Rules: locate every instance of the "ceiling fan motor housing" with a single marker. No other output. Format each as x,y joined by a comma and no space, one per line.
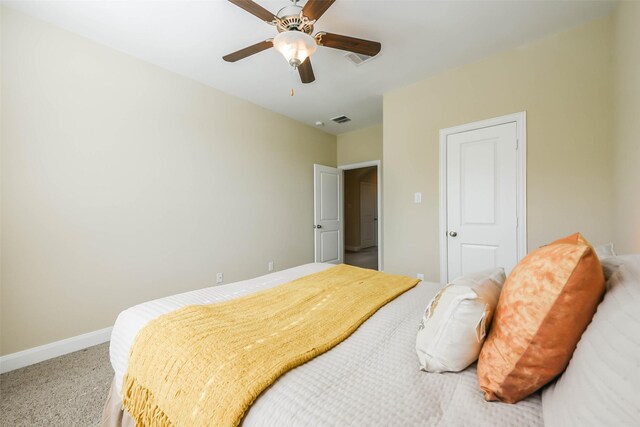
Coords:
290,18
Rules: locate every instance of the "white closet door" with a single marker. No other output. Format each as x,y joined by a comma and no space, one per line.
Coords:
368,216
482,218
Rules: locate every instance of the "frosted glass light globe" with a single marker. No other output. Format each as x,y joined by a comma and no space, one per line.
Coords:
295,46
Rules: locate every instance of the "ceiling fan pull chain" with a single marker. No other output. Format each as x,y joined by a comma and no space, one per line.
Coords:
293,76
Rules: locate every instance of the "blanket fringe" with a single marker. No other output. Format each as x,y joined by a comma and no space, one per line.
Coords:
140,404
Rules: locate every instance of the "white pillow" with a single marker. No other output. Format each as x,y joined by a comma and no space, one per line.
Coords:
611,264
600,385
456,322
605,251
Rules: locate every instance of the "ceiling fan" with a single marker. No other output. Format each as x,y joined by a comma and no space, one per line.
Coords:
294,40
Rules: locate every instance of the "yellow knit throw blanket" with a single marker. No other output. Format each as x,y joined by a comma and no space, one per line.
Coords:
204,365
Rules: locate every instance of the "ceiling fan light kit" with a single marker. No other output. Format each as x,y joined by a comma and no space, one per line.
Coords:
295,46
294,40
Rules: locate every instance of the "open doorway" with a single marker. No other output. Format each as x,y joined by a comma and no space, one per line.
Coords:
361,236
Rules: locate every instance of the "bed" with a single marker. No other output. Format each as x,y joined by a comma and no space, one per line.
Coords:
371,378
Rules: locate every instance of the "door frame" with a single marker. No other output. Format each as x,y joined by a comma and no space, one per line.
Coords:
378,165
520,119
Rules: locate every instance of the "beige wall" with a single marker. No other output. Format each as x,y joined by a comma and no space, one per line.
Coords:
360,146
627,127
1,174
564,84
122,182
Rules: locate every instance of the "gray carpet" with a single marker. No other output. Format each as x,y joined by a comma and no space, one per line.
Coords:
69,390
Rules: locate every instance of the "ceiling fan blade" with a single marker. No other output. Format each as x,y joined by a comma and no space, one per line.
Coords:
351,44
254,9
314,9
248,51
306,71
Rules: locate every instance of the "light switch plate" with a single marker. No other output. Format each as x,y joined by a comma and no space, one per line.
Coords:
417,198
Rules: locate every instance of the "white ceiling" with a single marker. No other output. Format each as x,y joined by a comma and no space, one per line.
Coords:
419,38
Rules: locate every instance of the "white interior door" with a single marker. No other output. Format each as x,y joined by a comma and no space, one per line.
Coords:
482,168
328,214
368,217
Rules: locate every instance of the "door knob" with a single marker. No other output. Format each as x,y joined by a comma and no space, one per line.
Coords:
318,226
453,234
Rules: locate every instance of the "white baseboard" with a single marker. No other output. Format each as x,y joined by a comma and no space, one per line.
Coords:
49,351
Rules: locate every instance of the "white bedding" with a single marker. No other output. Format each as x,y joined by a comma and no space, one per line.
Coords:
372,378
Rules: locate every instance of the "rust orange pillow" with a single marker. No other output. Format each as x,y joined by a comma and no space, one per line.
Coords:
546,303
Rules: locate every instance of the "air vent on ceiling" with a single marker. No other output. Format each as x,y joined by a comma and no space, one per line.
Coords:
357,58
341,119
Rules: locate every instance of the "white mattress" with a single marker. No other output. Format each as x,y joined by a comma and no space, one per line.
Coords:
372,378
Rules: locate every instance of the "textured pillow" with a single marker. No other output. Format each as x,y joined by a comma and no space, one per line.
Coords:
545,305
454,325
600,385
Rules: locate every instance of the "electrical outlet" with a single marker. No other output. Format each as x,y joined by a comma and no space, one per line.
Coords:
420,276
270,266
219,278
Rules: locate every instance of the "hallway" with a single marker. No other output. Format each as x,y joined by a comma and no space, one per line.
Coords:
366,258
